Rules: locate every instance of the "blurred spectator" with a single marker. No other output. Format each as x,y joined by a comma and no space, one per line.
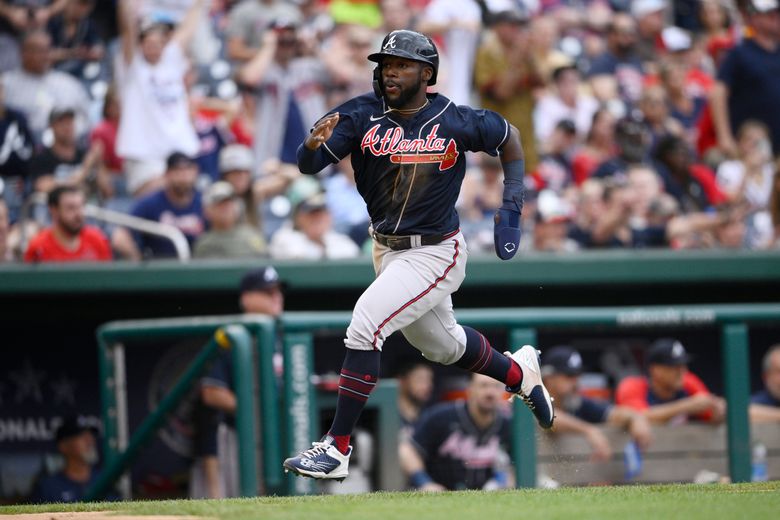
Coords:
555,168
110,180
226,237
396,15
505,75
18,17
347,207
177,203
290,94
75,40
618,71
250,20
16,150
632,141
77,444
544,38
765,405
649,16
480,195
719,35
346,58
311,236
68,239
460,445
241,121
748,83
415,387
214,473
654,108
576,413
749,177
685,107
774,204
64,161
155,111
566,101
598,148
6,252
670,394
236,164
551,226
693,185
35,89
457,23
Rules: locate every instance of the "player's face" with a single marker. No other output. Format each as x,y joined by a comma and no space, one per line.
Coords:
772,375
269,301
666,377
403,81
69,214
561,386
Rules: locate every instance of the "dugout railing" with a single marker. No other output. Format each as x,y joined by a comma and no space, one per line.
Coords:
522,325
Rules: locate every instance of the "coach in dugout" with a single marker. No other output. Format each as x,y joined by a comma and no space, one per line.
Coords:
462,444
561,369
765,405
670,394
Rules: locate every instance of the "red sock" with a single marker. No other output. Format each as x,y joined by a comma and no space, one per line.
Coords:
342,442
514,376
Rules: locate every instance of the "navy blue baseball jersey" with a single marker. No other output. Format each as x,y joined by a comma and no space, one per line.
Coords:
409,171
589,410
457,454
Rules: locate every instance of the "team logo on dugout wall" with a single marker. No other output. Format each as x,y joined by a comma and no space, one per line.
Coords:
430,149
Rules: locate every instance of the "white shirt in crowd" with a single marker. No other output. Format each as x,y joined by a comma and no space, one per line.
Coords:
155,111
551,110
291,244
757,191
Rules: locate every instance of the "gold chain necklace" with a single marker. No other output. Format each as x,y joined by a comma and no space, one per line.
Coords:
408,111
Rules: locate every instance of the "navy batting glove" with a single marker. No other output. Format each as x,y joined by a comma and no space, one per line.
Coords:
506,232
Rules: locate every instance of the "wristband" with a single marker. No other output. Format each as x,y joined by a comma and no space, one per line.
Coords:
419,478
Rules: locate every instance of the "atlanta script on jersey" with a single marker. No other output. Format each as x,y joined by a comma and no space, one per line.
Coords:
409,171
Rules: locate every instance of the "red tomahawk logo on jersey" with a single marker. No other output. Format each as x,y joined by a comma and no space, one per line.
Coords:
446,160
428,149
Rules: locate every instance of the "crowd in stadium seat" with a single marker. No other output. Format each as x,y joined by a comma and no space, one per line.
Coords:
645,124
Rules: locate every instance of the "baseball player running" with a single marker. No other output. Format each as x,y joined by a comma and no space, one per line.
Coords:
408,152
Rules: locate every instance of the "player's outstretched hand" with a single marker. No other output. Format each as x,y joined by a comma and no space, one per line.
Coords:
321,131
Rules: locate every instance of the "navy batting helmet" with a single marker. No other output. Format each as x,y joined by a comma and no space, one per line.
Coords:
410,45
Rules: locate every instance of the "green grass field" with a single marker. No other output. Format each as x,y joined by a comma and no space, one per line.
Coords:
688,502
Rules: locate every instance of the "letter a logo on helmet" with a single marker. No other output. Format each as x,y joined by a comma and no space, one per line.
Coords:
390,42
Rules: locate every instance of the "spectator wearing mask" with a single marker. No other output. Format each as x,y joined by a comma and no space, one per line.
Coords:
16,150
35,89
155,109
177,203
68,239
64,161
765,405
505,75
214,474
311,236
75,39
248,22
77,444
462,444
226,237
748,82
561,369
670,394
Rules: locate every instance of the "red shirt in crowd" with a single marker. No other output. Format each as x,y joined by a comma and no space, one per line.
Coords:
105,132
93,247
635,392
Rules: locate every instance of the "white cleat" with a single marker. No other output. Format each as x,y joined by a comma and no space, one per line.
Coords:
322,461
532,390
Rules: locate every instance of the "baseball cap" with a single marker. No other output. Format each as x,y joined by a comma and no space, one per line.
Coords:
260,279
667,351
312,203
676,39
178,159
218,192
561,360
552,208
764,6
235,157
640,8
70,427
58,113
